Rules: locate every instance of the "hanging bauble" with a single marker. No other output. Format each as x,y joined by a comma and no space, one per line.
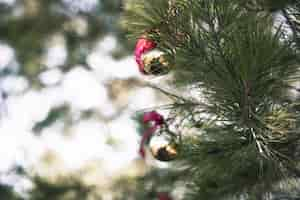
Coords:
150,60
163,147
155,62
157,121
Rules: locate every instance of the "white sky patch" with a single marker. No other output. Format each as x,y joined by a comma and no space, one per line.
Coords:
107,109
102,65
123,129
56,55
86,142
17,146
81,5
107,44
51,77
14,84
53,96
6,55
127,68
83,90
9,2
142,99
28,109
106,68
8,149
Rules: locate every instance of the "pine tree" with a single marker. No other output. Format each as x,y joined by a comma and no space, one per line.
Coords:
234,66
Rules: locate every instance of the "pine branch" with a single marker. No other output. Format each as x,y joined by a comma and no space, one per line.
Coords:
244,134
291,25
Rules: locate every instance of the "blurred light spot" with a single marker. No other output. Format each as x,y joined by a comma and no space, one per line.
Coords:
28,109
124,130
51,77
8,147
9,2
85,143
56,54
82,89
107,109
107,44
142,99
106,67
14,84
6,55
81,5
54,96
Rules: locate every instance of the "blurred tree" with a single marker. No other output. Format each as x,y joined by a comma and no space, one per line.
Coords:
67,188
31,28
80,23
7,193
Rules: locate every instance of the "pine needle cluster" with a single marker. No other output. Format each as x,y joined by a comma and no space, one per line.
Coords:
240,62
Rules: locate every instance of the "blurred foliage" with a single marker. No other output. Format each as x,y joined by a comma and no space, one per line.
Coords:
147,187
57,113
31,28
28,26
69,188
6,193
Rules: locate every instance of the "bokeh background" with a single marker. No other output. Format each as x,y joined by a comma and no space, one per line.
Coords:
70,88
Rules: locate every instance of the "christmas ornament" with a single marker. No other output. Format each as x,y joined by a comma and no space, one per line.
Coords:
157,120
150,60
153,116
163,147
163,196
143,45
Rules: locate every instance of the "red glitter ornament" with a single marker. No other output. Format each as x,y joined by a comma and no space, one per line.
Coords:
143,46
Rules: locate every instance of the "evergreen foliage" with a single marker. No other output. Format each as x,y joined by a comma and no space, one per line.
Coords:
240,61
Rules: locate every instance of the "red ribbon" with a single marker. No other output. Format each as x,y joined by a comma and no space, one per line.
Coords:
157,120
143,45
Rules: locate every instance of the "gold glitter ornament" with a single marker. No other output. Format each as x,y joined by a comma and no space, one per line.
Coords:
155,62
163,148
